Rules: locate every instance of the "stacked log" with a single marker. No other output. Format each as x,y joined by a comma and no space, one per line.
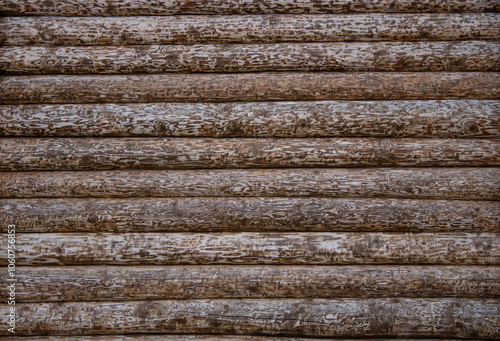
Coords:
251,170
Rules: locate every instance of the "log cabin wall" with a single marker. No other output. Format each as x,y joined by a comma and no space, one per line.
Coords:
251,170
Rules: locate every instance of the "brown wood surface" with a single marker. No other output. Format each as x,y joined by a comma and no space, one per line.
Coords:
117,283
346,57
248,87
462,318
406,183
442,118
255,248
191,337
249,214
247,29
39,154
171,7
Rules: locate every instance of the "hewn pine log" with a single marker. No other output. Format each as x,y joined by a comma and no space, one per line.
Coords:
35,154
444,119
347,57
248,87
408,183
247,29
53,284
255,248
249,214
171,7
463,318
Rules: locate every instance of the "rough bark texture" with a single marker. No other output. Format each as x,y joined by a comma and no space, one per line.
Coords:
255,248
249,214
116,283
59,154
246,29
171,7
442,119
248,87
408,183
462,318
347,57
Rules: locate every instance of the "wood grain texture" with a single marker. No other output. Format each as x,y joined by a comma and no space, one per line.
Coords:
39,154
255,248
249,214
61,89
405,183
182,337
171,7
344,57
247,29
463,318
118,283
442,119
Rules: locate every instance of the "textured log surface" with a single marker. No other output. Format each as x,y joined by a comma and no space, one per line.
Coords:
161,337
407,183
346,57
463,318
246,29
248,87
115,283
249,214
443,119
171,7
177,153
255,248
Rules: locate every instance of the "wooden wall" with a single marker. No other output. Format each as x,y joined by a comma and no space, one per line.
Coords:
251,170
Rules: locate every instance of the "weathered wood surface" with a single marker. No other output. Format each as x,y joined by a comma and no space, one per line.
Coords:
182,337
314,248
462,318
116,283
249,214
345,57
405,183
443,119
171,7
248,87
37,154
247,29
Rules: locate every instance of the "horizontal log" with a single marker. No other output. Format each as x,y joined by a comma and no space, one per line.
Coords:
255,248
117,283
249,214
183,337
405,183
443,119
247,29
462,318
170,7
248,87
39,154
347,57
